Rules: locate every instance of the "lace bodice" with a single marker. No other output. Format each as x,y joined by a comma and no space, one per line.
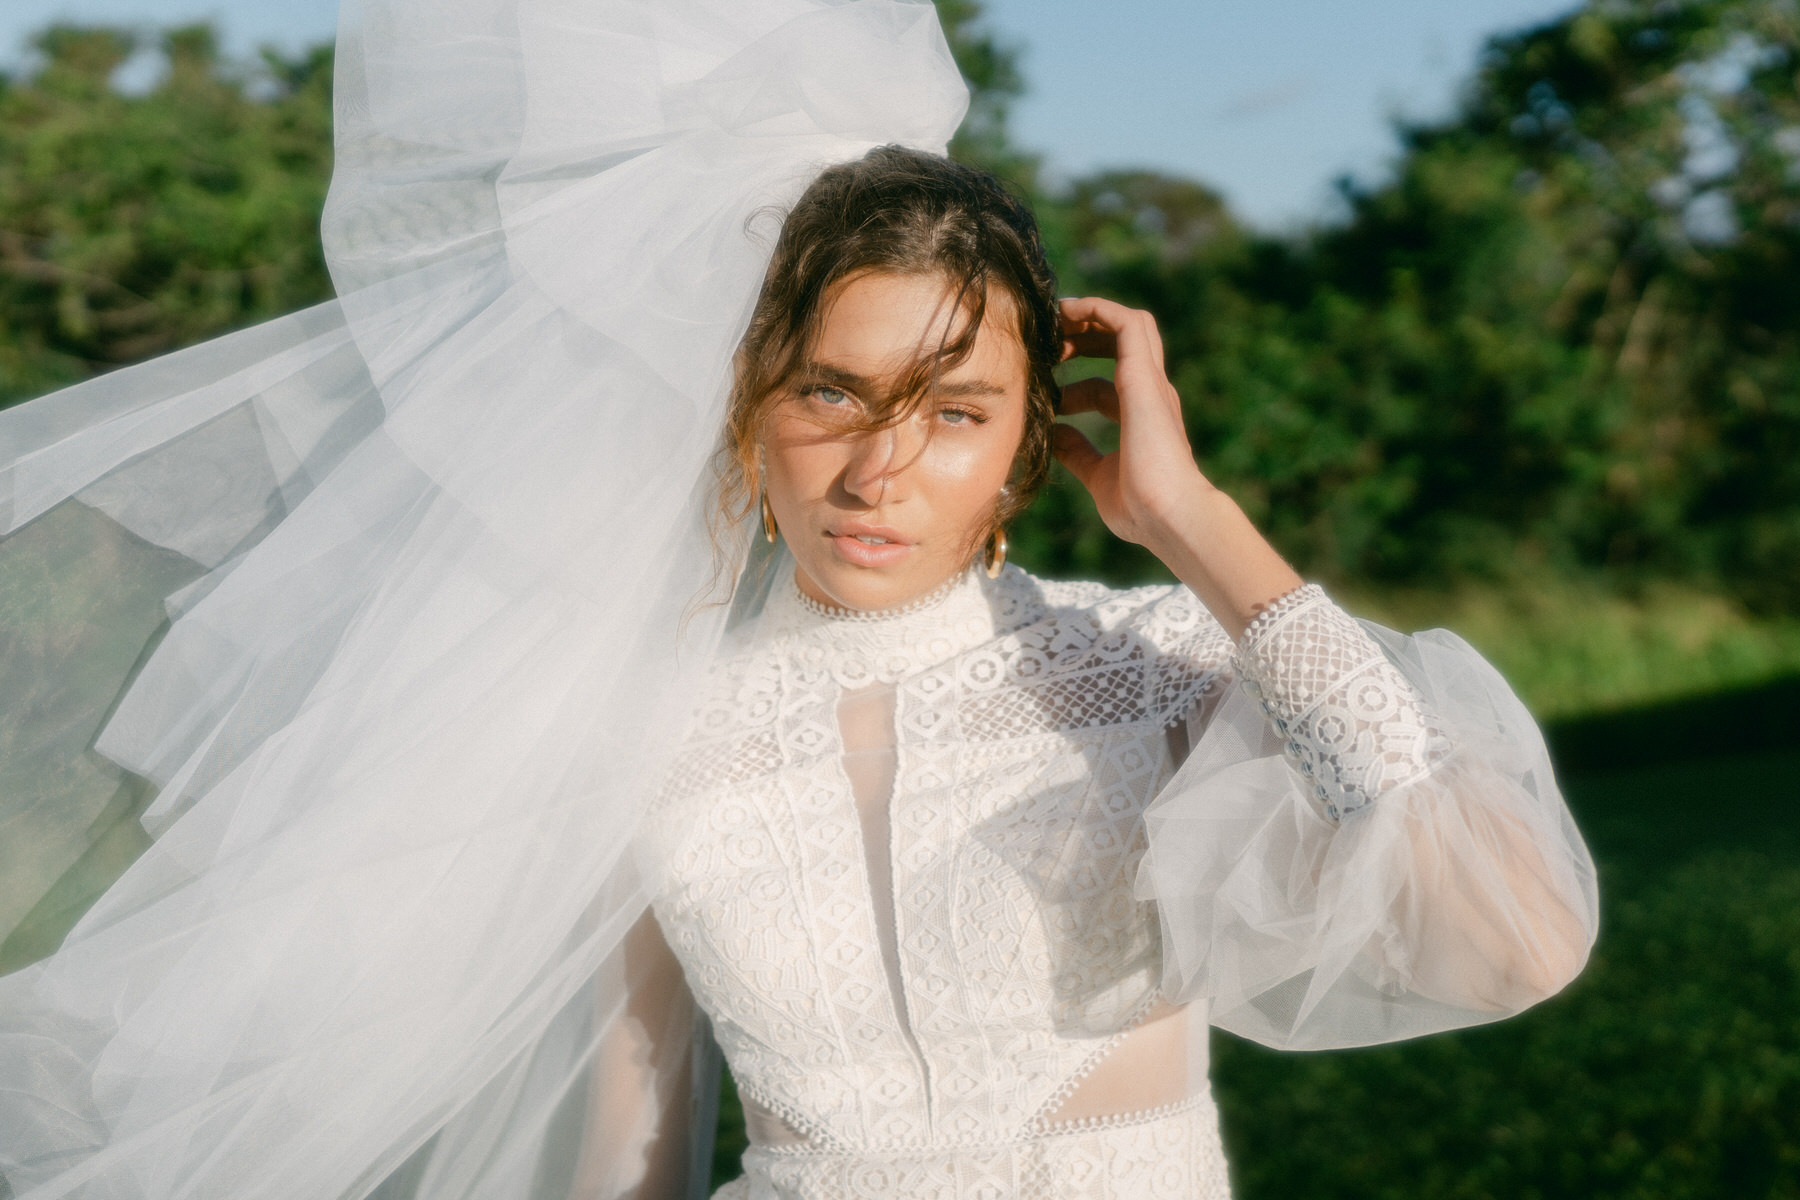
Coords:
922,932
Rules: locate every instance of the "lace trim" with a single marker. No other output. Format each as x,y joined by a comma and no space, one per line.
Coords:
1278,610
1099,1124
1350,721
818,1138
1124,1120
857,648
918,604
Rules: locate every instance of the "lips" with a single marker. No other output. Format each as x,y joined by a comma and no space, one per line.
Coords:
865,545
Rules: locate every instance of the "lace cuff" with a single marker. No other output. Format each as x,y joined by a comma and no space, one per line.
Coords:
1350,721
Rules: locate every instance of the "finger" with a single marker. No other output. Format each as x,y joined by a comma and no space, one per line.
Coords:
1154,334
1093,312
1075,452
1090,343
1139,343
1091,395
1133,330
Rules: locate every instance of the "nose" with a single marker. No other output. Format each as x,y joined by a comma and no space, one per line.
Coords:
878,458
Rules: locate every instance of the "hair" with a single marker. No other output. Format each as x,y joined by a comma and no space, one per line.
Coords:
909,213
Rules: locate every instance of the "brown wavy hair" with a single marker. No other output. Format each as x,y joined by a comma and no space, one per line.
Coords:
909,213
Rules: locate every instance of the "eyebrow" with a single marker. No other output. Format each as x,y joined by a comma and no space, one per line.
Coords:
814,374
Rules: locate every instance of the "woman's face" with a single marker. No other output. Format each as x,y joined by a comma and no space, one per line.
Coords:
875,519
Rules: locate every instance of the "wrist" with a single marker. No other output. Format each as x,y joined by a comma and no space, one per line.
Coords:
1177,513
1215,549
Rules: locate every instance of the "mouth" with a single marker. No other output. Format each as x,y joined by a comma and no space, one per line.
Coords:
868,545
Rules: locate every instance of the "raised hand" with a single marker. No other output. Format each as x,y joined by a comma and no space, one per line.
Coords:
1152,476
1150,490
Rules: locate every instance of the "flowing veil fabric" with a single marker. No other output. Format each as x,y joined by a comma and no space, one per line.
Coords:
379,617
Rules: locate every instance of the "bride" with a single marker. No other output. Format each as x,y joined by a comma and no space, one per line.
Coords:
477,826
960,863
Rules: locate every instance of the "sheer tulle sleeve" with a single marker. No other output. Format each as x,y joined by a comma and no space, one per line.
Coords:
1366,842
652,1089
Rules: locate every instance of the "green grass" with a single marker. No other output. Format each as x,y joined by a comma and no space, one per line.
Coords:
1573,647
1669,1070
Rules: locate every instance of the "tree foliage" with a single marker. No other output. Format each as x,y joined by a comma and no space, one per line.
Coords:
131,225
990,66
1565,334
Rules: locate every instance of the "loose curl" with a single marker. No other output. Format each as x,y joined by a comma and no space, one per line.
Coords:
909,213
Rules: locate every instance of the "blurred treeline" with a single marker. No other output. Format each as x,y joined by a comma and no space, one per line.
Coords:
131,225
1543,384
1565,335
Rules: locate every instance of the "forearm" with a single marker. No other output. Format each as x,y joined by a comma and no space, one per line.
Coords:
1302,662
1482,917
1348,717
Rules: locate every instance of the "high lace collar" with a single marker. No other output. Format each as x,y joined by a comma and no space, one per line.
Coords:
860,648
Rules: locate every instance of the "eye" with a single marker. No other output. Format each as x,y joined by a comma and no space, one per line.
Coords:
831,397
961,416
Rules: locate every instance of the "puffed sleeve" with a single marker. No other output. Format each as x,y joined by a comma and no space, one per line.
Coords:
1366,841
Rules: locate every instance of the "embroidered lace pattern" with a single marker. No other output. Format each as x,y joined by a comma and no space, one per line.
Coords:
1351,721
1029,735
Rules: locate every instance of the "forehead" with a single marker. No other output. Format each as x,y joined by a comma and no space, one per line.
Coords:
880,323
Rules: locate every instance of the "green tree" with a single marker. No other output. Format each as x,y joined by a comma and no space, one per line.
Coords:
133,225
1564,336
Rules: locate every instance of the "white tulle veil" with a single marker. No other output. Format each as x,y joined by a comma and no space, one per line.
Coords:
378,617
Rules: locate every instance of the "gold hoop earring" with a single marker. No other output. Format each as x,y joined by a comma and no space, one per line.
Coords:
995,557
768,516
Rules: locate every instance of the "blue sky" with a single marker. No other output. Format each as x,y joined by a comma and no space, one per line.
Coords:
1266,100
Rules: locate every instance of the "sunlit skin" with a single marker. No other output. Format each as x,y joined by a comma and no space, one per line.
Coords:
875,519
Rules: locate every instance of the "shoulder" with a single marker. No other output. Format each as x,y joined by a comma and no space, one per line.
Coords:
1166,618
738,690
1156,649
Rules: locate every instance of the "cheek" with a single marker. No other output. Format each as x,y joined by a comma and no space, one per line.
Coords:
799,463
969,472
966,466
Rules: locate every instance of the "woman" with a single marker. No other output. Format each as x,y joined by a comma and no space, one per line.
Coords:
928,860
382,619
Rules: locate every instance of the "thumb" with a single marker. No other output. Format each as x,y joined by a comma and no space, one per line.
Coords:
1075,452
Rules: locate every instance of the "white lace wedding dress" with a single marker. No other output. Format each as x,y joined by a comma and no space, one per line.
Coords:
960,926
